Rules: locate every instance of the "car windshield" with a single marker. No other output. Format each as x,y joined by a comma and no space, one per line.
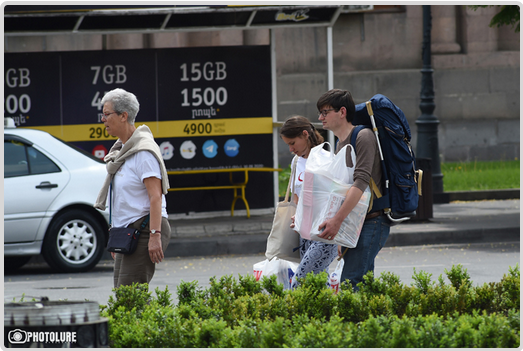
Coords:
80,150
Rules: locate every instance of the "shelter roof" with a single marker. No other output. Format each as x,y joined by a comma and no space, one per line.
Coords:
21,20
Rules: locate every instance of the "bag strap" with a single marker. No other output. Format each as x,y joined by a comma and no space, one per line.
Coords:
373,186
291,178
343,254
144,223
375,191
369,108
355,132
419,172
110,204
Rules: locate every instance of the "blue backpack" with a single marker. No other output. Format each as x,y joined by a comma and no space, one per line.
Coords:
401,180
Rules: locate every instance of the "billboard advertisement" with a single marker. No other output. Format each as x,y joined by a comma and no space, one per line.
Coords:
208,108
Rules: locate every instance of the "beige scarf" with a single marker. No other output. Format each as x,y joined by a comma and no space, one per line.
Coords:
141,140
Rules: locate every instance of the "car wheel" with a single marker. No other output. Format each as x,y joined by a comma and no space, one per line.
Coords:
14,262
74,242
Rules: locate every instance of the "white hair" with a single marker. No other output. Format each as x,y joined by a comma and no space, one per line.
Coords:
123,101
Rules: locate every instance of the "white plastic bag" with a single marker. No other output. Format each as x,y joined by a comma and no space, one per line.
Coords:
350,228
333,166
283,269
265,268
327,180
335,277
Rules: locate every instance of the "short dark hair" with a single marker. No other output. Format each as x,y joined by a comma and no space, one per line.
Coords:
338,98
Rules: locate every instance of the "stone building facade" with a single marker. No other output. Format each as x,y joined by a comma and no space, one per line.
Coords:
476,69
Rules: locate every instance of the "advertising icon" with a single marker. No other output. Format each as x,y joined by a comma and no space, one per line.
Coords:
231,148
99,151
167,150
210,149
188,149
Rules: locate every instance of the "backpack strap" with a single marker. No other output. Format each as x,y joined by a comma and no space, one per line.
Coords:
375,191
355,132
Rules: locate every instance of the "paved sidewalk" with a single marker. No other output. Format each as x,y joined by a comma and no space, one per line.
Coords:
457,222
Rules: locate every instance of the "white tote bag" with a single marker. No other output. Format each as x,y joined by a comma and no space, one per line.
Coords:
327,180
283,241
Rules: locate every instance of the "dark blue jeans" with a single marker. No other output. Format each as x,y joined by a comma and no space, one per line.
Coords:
360,260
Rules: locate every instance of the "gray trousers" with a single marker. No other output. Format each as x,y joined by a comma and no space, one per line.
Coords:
138,267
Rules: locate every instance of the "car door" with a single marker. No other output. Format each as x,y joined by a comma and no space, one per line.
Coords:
31,182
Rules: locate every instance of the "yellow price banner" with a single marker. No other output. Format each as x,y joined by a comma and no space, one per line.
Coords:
167,129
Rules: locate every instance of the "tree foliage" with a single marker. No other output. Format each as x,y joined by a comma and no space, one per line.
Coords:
508,15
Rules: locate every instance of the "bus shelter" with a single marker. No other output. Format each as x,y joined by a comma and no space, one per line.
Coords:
198,101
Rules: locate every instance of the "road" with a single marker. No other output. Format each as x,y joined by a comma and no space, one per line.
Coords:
485,262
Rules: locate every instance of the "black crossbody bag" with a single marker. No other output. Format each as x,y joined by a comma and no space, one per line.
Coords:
123,240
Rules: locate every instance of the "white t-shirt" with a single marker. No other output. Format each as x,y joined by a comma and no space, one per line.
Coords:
298,180
130,199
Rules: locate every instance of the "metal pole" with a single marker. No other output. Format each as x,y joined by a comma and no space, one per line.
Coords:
330,74
330,68
274,86
428,123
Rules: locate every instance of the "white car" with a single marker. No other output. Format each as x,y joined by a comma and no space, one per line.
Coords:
49,191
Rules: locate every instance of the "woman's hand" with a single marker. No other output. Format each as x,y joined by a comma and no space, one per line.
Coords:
155,248
292,222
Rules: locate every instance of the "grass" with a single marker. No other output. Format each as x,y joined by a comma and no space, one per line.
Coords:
461,176
484,175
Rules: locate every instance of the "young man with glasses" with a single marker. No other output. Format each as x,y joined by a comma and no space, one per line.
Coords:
337,111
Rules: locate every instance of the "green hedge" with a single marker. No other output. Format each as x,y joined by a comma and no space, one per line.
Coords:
384,313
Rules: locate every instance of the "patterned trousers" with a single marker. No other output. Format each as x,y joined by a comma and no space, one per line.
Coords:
316,257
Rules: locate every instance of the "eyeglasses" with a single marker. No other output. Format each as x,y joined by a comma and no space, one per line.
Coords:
324,113
108,114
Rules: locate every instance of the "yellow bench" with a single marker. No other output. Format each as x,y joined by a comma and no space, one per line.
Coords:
234,186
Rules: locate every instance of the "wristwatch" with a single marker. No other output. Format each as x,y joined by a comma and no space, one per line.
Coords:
154,231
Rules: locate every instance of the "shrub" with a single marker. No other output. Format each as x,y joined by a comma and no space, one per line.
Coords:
245,313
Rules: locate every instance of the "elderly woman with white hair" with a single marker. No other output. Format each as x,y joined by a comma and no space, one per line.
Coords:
138,180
